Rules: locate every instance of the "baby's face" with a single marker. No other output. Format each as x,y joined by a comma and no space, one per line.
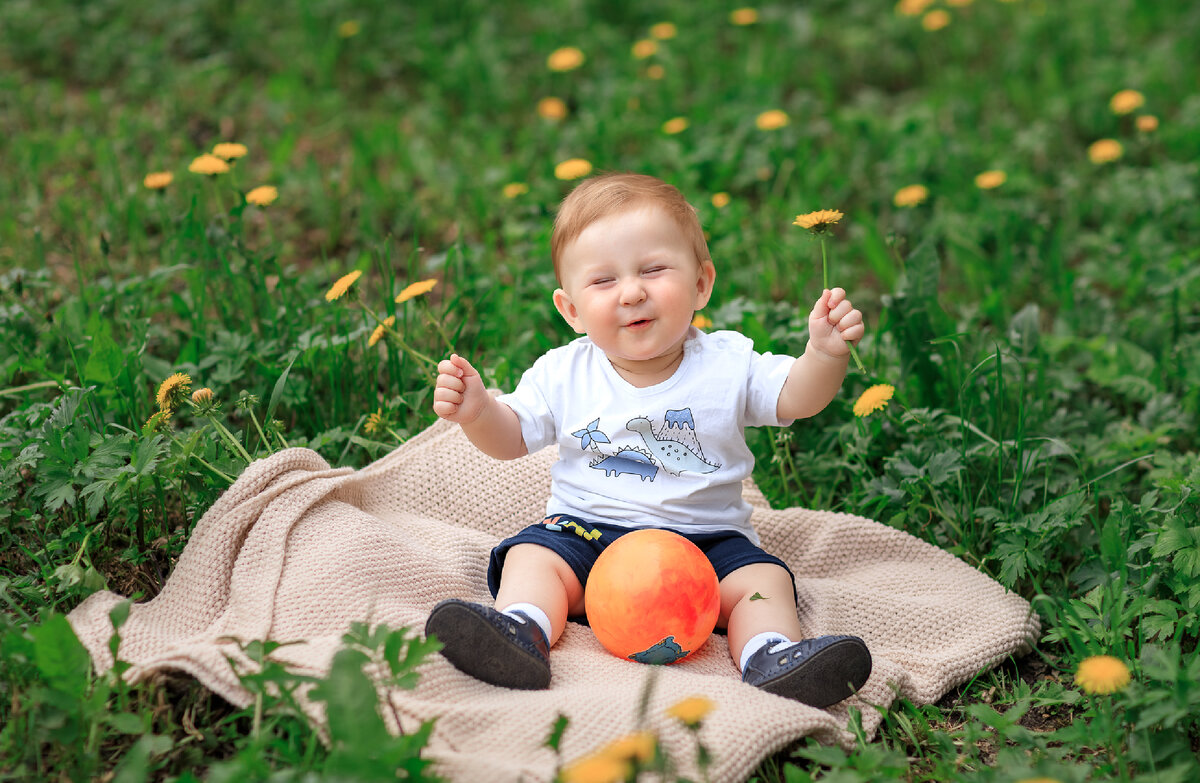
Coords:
632,283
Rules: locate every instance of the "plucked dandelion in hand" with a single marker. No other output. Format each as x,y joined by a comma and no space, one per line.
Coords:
817,224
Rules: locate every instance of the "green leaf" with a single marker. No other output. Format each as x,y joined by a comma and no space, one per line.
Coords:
60,657
105,360
277,392
351,704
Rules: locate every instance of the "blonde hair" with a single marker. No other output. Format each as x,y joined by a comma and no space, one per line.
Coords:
616,192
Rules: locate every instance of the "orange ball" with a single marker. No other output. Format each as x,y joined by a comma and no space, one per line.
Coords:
652,596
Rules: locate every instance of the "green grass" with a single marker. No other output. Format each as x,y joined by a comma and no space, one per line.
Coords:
1042,337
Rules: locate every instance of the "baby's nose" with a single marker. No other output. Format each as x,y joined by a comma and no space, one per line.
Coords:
632,291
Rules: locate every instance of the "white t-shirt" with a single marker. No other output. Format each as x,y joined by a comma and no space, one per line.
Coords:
670,455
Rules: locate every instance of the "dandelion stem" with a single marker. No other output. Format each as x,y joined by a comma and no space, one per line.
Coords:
261,435
203,461
231,441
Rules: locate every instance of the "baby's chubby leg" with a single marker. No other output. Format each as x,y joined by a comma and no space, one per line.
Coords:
537,575
755,599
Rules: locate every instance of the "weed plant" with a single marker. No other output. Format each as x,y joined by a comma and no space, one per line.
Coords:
1033,304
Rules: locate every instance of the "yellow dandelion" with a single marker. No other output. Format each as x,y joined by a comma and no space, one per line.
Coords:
818,222
636,746
910,195
1101,674
1146,123
598,768
349,28
702,321
262,195
990,179
1126,102
157,422
935,20
208,164
230,150
567,58
675,125
1105,151
201,396
377,335
514,189
157,180
743,16
873,399
416,289
663,31
172,391
720,200
552,108
692,710
645,48
376,423
773,119
912,7
655,71
342,285
572,168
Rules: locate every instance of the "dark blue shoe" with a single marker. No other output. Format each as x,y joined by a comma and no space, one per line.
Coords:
491,646
818,672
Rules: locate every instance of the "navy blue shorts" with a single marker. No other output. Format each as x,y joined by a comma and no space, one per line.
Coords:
580,542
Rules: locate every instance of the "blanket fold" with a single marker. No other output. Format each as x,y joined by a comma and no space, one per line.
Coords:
295,551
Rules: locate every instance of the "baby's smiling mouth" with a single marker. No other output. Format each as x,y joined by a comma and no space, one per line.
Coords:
638,323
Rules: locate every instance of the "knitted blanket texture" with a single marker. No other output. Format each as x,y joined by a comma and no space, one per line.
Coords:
296,551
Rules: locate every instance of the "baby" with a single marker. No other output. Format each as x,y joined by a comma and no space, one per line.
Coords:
648,413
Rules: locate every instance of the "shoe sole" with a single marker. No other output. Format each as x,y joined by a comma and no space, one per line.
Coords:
477,647
827,677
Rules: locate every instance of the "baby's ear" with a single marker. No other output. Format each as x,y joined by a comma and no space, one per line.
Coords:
704,283
566,308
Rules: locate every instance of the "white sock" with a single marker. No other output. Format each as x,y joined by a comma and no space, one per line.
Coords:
532,612
760,641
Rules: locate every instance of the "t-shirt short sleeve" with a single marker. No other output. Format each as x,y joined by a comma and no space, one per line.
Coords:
764,382
530,403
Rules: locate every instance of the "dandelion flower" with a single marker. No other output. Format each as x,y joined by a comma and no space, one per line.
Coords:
230,150
675,125
912,7
663,31
377,335
1102,674
262,195
655,72
692,710
720,200
702,321
567,58
552,108
1126,102
208,164
349,28
599,768
818,222
645,48
873,399
573,168
416,289
773,119
157,422
172,391
376,423
514,189
988,180
1146,123
743,16
1105,151
342,285
910,195
639,745
935,20
201,396
157,180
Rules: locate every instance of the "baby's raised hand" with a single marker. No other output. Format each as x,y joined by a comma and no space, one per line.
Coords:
459,395
834,324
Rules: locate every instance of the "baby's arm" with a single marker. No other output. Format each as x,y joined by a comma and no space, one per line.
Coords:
492,426
816,376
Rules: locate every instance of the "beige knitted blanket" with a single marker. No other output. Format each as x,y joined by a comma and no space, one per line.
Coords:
295,550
